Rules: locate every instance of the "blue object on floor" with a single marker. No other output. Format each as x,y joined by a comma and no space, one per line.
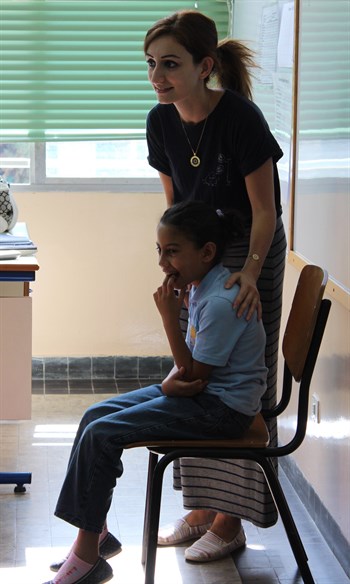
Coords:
18,478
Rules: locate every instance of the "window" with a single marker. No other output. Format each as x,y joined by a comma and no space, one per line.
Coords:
114,159
15,161
60,163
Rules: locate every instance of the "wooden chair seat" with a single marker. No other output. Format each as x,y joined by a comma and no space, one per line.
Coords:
257,436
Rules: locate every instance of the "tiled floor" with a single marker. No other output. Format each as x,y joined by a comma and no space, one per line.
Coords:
31,537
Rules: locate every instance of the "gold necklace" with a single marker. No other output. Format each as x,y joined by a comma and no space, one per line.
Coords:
194,160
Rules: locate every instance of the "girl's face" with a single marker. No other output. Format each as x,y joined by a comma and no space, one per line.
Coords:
172,72
179,257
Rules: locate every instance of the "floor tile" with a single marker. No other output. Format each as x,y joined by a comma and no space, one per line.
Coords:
104,386
80,386
125,385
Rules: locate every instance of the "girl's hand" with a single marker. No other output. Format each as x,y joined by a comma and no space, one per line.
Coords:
174,385
167,301
248,297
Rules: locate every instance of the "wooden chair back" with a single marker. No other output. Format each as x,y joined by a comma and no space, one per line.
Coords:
302,318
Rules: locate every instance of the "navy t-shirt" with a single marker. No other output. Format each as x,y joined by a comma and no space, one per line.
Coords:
235,142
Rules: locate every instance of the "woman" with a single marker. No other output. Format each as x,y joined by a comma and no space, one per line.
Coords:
210,142
212,391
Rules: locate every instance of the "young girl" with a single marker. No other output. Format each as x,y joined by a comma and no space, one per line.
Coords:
210,142
213,391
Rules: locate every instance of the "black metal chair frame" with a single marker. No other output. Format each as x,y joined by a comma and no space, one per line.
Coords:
305,339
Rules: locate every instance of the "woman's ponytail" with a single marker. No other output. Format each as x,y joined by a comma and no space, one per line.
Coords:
234,61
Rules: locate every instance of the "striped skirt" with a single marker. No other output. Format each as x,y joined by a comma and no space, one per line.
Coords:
239,487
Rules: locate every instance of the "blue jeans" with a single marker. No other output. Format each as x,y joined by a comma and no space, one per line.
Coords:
106,427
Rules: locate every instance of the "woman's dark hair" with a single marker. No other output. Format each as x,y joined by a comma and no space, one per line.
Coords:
198,35
201,223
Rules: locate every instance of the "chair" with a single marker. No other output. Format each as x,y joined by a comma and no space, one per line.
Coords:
300,346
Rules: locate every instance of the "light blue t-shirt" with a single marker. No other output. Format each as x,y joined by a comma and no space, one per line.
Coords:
234,346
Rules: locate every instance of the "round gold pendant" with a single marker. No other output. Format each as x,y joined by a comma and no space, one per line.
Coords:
195,161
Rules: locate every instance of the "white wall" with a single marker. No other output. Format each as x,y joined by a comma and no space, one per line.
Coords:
98,271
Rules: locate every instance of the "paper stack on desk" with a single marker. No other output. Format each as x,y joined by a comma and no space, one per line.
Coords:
17,239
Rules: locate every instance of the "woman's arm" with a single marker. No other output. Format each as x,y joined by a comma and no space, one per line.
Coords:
167,183
260,189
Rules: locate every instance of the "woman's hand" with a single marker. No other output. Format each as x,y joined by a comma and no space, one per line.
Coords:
174,385
167,301
260,189
248,297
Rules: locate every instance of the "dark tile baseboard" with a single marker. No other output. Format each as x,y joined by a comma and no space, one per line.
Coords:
318,512
92,374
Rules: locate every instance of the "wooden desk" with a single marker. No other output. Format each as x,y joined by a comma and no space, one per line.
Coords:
16,337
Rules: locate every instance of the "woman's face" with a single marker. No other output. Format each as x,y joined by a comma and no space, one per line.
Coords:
179,257
172,72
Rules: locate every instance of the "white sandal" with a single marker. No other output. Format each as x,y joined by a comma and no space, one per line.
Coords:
211,547
180,531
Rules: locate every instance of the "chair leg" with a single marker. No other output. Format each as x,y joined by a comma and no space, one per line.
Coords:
288,521
152,461
153,518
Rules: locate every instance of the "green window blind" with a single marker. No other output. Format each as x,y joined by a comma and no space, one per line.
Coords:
75,70
324,88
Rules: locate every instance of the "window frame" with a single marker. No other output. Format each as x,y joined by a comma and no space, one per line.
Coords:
40,182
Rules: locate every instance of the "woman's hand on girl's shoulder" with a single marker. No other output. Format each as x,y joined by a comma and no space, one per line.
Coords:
248,298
